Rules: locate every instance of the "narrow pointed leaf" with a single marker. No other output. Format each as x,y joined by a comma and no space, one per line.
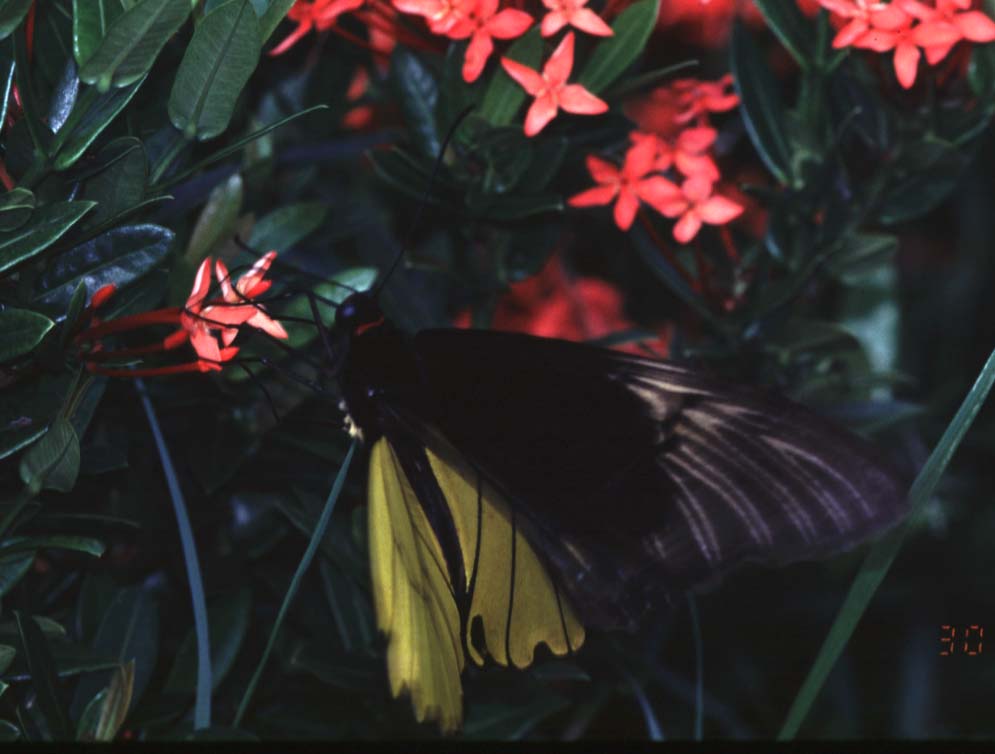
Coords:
216,66
504,96
47,225
615,54
132,42
20,331
43,677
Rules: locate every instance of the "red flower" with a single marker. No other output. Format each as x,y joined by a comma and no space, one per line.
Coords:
894,31
314,14
695,204
249,286
630,184
970,25
688,152
551,305
698,98
573,13
859,16
200,321
484,25
551,90
440,15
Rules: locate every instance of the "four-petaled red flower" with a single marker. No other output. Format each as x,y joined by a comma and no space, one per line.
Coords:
551,90
695,203
440,15
895,31
249,286
630,184
859,17
573,13
484,24
698,98
688,152
970,25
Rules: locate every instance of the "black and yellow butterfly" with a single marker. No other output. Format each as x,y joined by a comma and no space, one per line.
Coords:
523,489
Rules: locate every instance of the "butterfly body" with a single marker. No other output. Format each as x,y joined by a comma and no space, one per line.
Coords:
614,482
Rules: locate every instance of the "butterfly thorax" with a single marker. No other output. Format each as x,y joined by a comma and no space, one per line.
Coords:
380,364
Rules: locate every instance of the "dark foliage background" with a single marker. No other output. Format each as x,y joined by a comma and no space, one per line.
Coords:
866,292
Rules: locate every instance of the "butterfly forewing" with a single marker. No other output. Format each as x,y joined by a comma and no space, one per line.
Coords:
641,479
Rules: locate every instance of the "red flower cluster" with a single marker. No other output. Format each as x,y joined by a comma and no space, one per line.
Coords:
551,305
209,326
674,137
907,28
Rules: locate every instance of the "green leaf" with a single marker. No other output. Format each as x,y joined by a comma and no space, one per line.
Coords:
881,555
11,13
217,64
117,703
86,726
53,462
791,27
132,43
20,331
760,103
8,731
16,207
284,227
43,677
216,220
27,408
129,631
91,19
119,257
85,545
47,225
863,253
504,96
274,14
84,126
512,207
418,94
120,183
12,570
7,655
228,622
616,53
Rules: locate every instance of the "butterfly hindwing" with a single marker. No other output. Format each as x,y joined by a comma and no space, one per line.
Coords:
505,585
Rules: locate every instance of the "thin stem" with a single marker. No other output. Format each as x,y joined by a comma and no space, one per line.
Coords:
202,703
295,582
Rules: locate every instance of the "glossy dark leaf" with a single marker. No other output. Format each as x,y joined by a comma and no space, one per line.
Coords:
270,20
120,184
119,257
27,408
132,42
47,225
128,632
91,20
84,127
791,27
12,570
228,622
215,67
760,104
43,676
616,53
53,462
85,545
504,96
16,207
11,14
64,97
418,94
282,228
20,331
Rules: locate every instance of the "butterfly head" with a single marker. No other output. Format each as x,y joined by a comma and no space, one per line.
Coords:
358,314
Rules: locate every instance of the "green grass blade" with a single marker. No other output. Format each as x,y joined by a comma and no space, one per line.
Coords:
295,582
202,699
879,558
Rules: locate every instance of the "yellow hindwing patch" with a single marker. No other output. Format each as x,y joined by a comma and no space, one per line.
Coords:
513,594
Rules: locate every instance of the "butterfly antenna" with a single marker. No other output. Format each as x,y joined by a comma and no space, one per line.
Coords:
421,205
